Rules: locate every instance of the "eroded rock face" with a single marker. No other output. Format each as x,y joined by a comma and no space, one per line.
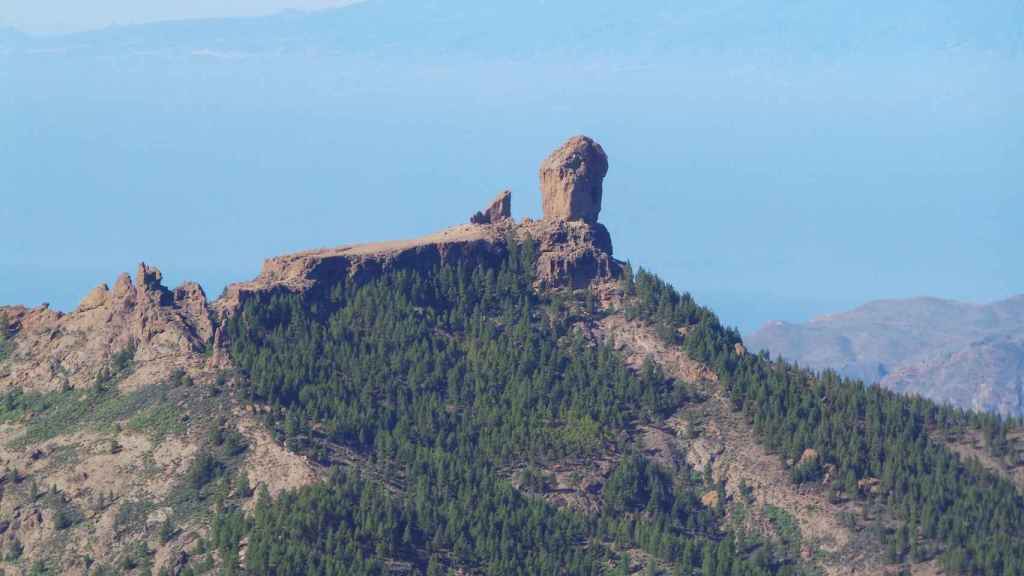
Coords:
190,301
499,210
167,329
571,254
99,296
571,180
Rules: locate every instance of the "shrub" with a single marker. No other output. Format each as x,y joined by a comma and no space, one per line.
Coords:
180,378
14,550
167,531
203,470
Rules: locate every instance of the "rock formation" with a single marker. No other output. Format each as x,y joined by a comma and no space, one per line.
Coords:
572,249
571,180
174,328
571,253
167,329
499,210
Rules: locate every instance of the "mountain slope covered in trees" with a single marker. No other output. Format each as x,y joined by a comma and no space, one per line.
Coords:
448,378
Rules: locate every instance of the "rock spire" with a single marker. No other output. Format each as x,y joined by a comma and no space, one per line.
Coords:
571,180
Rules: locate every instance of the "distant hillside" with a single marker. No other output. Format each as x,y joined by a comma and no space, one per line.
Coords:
965,354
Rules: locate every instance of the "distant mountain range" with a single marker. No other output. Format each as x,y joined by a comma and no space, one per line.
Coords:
965,354
650,26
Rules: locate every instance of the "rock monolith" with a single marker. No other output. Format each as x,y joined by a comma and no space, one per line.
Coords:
571,180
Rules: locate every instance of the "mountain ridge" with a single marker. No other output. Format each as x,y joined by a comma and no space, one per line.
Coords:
964,353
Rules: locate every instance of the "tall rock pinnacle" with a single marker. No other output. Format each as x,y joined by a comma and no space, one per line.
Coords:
571,179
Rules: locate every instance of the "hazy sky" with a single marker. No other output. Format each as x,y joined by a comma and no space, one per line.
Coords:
62,16
779,160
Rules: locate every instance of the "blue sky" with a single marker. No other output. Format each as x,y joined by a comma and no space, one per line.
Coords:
778,160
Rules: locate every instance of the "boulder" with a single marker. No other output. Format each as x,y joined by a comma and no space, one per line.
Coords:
809,455
123,287
869,485
499,210
710,499
571,180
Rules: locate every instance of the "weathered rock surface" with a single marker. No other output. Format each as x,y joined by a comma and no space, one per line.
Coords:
499,210
96,298
51,350
571,180
571,253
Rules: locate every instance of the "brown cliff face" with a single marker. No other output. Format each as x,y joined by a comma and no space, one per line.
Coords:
571,180
570,254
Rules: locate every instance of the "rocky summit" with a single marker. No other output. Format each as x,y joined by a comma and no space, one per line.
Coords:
571,180
573,249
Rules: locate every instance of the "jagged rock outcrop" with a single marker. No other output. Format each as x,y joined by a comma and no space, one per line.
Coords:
190,300
500,210
571,180
95,450
168,330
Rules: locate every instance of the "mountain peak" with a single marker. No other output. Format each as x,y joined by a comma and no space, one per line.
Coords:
573,249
